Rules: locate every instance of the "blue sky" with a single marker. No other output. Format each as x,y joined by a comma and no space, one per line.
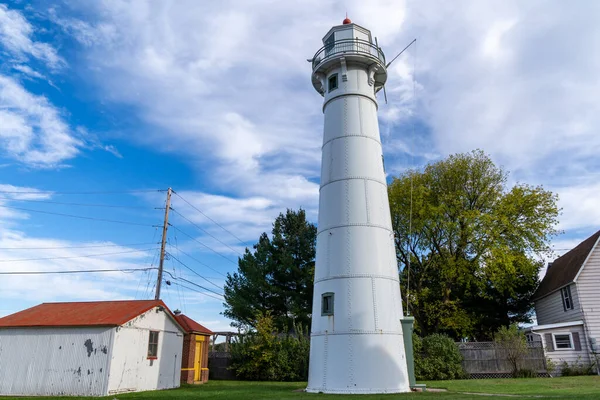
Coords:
214,99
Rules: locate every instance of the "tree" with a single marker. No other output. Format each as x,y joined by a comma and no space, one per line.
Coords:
267,355
277,277
472,243
514,345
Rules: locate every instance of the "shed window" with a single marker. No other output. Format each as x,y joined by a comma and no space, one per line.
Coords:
153,344
566,298
333,82
327,304
563,341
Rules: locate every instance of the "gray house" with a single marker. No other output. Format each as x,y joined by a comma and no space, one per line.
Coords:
567,305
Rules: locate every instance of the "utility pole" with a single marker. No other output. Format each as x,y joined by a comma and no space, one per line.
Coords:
162,246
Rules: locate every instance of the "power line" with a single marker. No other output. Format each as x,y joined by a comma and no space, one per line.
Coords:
77,216
192,283
205,231
197,291
73,204
215,222
77,247
90,192
181,294
150,258
414,84
79,271
210,248
200,286
196,273
175,273
66,257
201,263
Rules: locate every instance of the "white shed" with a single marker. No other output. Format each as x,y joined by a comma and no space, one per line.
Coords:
90,349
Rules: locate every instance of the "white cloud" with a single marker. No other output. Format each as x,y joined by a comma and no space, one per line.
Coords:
27,70
510,78
20,252
581,206
32,130
226,86
16,36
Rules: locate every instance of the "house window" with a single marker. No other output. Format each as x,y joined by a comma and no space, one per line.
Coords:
562,341
153,344
327,304
566,298
333,83
530,338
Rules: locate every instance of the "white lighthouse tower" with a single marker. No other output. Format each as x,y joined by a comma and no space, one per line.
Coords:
356,337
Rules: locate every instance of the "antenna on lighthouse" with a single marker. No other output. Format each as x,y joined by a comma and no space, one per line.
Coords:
399,54
390,63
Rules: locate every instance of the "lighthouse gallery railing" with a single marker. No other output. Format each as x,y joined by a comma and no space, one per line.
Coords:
347,46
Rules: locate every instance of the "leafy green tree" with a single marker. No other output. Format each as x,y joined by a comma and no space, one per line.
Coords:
513,344
264,354
473,245
277,277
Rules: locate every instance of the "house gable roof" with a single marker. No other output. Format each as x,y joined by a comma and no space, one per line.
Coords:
191,326
89,313
564,269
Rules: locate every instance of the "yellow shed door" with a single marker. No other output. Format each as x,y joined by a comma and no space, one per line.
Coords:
198,358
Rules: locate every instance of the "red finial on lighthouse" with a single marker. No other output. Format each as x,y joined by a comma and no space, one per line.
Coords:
347,20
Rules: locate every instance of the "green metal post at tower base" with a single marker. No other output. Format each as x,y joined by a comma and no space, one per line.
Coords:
407,332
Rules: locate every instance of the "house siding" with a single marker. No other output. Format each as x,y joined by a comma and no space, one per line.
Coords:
549,309
55,361
571,356
588,288
131,369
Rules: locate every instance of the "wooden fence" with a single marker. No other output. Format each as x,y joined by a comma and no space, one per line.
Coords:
480,360
218,364
487,360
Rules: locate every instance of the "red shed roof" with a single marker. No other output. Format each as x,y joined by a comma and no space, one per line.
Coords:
191,326
88,313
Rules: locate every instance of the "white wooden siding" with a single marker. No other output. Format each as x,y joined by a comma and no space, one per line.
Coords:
588,288
131,370
550,310
570,356
55,361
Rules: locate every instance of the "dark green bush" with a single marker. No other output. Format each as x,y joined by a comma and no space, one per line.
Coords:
577,368
437,358
524,373
266,355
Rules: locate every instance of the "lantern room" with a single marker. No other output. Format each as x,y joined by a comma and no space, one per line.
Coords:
346,44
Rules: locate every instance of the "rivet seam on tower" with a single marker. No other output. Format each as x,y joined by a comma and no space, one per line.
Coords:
374,304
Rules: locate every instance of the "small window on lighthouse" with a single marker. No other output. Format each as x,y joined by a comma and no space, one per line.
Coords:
333,84
327,304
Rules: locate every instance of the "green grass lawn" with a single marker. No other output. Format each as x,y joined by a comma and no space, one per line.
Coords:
586,387
575,387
